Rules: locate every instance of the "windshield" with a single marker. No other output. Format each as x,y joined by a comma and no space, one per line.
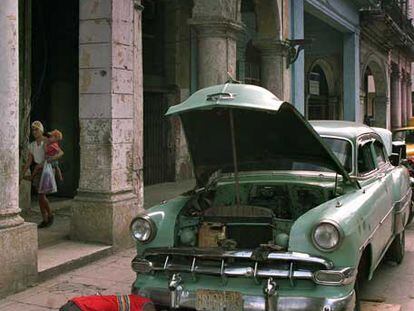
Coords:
406,136
342,149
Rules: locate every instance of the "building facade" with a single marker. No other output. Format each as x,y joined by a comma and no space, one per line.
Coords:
105,72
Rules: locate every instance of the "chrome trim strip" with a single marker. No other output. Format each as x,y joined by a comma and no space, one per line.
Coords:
207,253
295,256
370,237
346,275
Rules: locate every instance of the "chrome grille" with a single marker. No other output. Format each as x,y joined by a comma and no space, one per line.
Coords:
240,263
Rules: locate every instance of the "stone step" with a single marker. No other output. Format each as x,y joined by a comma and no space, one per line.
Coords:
379,306
68,255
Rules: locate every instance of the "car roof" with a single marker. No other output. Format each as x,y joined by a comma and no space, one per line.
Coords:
400,129
346,129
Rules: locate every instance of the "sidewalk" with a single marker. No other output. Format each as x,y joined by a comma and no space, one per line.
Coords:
111,275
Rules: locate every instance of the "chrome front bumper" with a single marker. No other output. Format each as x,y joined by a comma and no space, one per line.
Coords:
187,299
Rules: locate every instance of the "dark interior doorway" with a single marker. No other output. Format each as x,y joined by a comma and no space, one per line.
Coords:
159,160
158,166
318,105
55,74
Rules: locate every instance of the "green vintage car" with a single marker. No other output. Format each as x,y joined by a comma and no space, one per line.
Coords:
285,214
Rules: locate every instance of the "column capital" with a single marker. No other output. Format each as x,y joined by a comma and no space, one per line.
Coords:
395,71
272,47
216,27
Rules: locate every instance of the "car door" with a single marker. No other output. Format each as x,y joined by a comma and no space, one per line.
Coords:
384,176
372,176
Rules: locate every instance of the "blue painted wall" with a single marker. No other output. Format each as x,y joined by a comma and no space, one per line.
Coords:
343,16
298,68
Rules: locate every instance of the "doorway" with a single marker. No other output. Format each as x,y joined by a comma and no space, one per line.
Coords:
157,155
318,104
54,80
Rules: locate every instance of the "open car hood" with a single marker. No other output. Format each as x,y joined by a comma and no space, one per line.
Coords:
269,134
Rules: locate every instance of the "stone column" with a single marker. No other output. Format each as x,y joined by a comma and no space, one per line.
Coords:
403,100
381,103
106,202
138,151
274,66
409,98
18,240
216,23
395,97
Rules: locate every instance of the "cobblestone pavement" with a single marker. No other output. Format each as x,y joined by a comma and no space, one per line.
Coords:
112,275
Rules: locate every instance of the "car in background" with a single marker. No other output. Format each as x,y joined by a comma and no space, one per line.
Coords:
406,135
286,214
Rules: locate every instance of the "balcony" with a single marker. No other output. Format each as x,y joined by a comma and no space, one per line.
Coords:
388,24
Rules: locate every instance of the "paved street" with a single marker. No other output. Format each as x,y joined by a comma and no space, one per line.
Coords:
391,284
107,276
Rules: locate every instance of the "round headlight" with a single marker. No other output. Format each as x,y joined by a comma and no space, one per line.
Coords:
143,229
326,236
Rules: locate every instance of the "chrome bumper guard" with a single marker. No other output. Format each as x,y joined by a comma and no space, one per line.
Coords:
187,299
250,264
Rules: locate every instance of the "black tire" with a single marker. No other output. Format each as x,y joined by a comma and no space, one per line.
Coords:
361,278
396,251
357,306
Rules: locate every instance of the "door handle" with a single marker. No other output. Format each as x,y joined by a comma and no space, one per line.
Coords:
381,175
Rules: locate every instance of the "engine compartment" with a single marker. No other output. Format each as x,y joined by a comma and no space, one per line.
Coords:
263,219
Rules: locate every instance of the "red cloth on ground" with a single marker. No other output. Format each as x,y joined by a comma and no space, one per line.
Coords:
52,149
111,303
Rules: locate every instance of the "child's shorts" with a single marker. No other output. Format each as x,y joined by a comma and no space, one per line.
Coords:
55,164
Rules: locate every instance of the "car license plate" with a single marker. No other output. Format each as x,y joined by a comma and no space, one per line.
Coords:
213,300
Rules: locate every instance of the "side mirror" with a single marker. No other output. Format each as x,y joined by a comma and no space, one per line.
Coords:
395,159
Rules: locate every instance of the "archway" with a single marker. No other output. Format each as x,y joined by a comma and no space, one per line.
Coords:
321,92
374,93
261,55
268,19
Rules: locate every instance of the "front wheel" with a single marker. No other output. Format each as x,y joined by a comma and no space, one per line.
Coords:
396,251
360,280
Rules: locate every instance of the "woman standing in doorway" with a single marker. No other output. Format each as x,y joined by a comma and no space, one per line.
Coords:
37,158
